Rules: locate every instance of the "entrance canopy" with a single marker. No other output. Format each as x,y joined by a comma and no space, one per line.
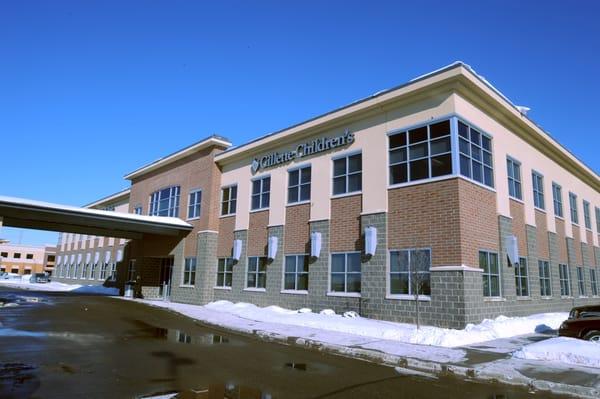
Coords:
18,212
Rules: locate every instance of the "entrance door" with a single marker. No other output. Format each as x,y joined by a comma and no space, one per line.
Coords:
166,269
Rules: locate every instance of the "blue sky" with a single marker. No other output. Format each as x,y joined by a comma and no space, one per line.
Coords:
92,90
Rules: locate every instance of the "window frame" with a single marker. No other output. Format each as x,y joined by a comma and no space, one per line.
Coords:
587,217
188,275
226,261
519,278
594,281
173,203
516,182
261,193
196,206
557,200
410,295
229,201
296,273
299,169
257,273
581,282
573,211
566,291
461,154
546,276
537,187
490,275
330,291
346,175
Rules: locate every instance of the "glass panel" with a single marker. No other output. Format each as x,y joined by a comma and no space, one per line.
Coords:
290,264
477,171
353,282
256,187
475,136
262,264
439,129
293,178
483,261
463,130
440,146
418,150
419,169
233,192
252,264
303,281
487,158
266,197
290,282
398,140
420,260
266,184
475,152
398,174
339,185
486,143
355,182
262,280
305,192
399,283
353,263
398,155
228,278
251,280
293,194
441,165
220,278
416,135
355,163
337,282
303,263
494,264
339,167
337,263
305,175
256,201
488,176
465,147
465,164
495,281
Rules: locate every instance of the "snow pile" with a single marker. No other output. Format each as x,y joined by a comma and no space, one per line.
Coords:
562,349
501,327
54,286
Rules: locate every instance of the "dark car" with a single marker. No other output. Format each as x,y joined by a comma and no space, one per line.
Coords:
39,278
583,322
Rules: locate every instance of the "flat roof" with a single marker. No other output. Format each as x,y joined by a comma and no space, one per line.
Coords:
19,212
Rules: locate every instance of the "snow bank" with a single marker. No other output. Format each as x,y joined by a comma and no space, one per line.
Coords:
55,286
562,349
501,327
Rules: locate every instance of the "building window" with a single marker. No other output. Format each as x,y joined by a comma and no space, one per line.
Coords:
347,174
138,210
538,190
586,215
475,155
296,272
257,272
557,198
224,272
17,255
131,270
409,272
189,271
597,219
299,184
84,271
165,202
594,282
580,281
27,271
14,270
261,193
544,272
51,258
522,278
420,153
194,204
76,270
488,261
228,200
103,270
573,206
345,272
5,254
93,271
29,256
113,271
514,178
565,280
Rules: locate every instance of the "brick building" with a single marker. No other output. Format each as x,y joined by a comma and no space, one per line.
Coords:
439,191
26,259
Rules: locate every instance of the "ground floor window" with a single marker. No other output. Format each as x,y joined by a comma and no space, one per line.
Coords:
113,271
131,270
296,272
580,281
564,278
189,271
76,270
14,270
103,269
84,271
93,271
345,272
224,272
488,261
522,278
27,271
594,282
409,272
544,271
257,272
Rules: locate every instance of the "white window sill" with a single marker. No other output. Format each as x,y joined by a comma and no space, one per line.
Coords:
259,210
566,297
255,289
539,209
402,297
519,200
493,299
222,288
583,297
186,286
298,203
192,219
523,298
344,195
547,297
294,292
559,217
345,294
226,216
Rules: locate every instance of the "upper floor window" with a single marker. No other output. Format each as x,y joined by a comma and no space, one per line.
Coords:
347,174
420,153
557,198
29,256
5,254
194,204
597,219
137,210
488,261
228,200
299,184
586,215
17,255
573,206
261,193
538,190
514,178
475,155
165,202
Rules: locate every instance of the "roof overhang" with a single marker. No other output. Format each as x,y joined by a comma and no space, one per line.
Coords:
213,141
17,212
116,197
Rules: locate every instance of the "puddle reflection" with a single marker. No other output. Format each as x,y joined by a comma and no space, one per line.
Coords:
215,391
145,330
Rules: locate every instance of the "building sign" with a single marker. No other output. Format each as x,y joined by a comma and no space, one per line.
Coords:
313,147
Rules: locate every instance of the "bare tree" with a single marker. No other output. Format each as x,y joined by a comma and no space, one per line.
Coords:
419,270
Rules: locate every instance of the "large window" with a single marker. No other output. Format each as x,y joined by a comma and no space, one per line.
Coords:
299,184
189,271
573,207
84,271
165,202
345,272
347,174
224,272
228,200
514,178
296,273
475,155
409,272
538,190
594,282
103,270
257,272
488,261
522,278
93,271
565,280
420,153
597,219
194,204
557,199
261,193
580,281
545,282
586,215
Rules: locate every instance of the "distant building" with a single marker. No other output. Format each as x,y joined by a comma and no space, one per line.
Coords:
26,259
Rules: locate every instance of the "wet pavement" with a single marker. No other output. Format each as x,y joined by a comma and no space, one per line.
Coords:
61,345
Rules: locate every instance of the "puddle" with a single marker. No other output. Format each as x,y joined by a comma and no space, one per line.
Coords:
229,390
17,380
12,300
205,339
145,330
296,366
